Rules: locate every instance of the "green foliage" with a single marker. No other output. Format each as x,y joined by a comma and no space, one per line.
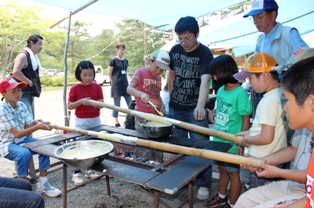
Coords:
51,57
79,44
103,48
131,33
17,21
57,81
141,40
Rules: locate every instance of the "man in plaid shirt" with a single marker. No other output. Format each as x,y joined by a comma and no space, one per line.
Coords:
16,126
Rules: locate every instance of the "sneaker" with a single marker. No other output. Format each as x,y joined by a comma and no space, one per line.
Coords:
247,186
226,205
48,190
202,193
117,125
91,174
77,178
216,201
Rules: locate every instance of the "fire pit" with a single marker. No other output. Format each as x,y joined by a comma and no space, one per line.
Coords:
168,177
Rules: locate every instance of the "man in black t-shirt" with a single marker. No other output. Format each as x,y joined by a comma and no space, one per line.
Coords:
188,83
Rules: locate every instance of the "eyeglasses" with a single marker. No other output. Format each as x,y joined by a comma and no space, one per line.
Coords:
259,17
186,40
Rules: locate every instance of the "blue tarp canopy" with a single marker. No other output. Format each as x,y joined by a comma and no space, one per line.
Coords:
162,14
241,35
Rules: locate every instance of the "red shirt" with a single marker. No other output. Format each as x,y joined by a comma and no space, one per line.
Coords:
92,91
149,84
309,184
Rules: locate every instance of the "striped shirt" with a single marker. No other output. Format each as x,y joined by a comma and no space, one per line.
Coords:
9,118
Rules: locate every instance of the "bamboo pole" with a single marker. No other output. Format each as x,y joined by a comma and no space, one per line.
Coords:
210,154
166,121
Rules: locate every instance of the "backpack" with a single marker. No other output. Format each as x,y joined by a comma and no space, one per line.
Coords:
129,122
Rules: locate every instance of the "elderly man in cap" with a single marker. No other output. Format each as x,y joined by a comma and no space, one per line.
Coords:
277,40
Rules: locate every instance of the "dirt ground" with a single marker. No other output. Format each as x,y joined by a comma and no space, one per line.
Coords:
94,194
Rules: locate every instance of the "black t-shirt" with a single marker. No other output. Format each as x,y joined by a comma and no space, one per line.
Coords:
188,67
119,77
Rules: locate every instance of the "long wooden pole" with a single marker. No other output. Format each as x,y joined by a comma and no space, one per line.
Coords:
165,120
214,155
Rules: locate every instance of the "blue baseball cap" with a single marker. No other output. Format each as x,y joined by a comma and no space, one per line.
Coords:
258,6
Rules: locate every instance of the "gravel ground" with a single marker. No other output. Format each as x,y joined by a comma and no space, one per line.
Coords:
49,107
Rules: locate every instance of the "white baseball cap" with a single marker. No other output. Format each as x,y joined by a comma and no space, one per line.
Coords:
161,58
300,54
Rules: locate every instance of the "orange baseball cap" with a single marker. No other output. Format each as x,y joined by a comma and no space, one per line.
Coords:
256,63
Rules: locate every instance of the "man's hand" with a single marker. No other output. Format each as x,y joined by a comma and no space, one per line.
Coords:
267,171
199,113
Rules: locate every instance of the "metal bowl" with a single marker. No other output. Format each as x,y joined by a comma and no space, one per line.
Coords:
157,130
84,154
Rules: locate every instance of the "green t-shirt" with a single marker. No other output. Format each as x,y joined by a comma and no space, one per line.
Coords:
231,106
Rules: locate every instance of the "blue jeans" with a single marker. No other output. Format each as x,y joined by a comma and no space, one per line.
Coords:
116,101
18,193
22,157
28,100
204,179
187,116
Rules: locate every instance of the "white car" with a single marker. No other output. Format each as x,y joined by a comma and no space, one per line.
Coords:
59,74
100,77
51,72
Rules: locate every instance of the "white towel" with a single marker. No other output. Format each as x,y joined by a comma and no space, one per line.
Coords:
35,61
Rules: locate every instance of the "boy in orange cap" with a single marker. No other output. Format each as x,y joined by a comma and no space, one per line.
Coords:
268,131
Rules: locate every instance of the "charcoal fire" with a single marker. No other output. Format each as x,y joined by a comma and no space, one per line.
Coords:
139,154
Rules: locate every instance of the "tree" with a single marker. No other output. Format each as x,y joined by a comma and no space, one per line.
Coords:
140,40
103,48
17,21
79,43
52,54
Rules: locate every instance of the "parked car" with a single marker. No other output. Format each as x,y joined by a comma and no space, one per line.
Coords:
59,74
51,72
100,77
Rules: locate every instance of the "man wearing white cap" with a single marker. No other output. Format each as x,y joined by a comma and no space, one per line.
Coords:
277,40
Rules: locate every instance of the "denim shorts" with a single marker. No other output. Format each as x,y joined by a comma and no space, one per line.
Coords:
230,168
